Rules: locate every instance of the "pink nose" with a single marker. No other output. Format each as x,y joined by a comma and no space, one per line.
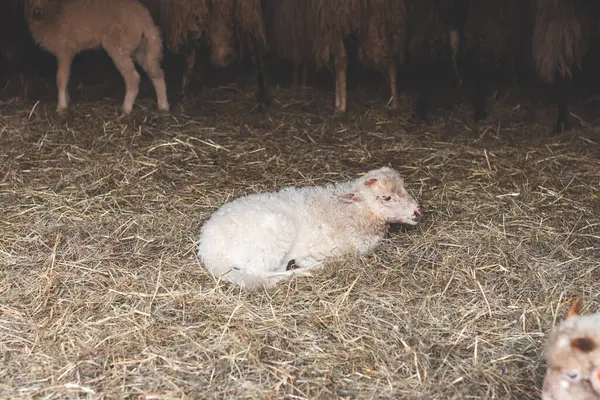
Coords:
417,214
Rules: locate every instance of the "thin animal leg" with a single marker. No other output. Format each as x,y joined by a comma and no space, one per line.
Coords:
151,65
478,75
455,49
562,90
273,278
295,73
263,96
308,262
304,75
343,88
132,79
393,85
190,61
337,90
421,106
62,80
341,64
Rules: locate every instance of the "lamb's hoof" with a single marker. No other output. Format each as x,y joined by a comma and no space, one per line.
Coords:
291,265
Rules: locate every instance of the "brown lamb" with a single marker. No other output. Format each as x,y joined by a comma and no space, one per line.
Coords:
123,28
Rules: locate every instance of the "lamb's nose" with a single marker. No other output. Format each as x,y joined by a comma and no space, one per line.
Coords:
417,214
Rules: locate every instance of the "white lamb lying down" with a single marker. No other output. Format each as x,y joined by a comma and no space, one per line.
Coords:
251,240
573,358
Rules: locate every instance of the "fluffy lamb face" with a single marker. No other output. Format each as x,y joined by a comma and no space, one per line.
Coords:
384,193
573,357
559,384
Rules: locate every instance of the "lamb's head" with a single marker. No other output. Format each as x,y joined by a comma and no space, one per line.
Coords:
382,191
573,357
37,9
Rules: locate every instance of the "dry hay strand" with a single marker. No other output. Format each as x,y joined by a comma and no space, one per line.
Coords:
102,294
383,38
562,30
182,21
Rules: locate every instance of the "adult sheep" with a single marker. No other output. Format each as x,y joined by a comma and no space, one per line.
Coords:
562,31
251,240
227,26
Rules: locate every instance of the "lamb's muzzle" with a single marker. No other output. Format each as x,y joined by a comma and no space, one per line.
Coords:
572,354
251,240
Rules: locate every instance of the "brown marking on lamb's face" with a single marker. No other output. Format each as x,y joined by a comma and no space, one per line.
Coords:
583,344
575,308
371,182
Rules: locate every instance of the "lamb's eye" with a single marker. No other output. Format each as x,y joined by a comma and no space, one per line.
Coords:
573,375
386,198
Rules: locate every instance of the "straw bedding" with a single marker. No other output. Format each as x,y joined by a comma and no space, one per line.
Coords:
102,295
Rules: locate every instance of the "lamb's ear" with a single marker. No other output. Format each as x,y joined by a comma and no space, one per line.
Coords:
350,198
575,308
583,344
371,182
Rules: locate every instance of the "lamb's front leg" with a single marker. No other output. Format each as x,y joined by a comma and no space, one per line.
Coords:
63,72
308,262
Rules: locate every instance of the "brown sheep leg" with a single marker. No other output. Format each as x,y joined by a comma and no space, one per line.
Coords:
341,65
63,73
124,64
393,85
337,90
295,73
190,61
263,97
304,76
157,76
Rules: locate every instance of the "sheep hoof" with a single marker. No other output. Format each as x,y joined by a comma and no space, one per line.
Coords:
419,115
262,107
562,126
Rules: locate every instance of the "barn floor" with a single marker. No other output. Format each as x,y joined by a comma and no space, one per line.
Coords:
102,295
